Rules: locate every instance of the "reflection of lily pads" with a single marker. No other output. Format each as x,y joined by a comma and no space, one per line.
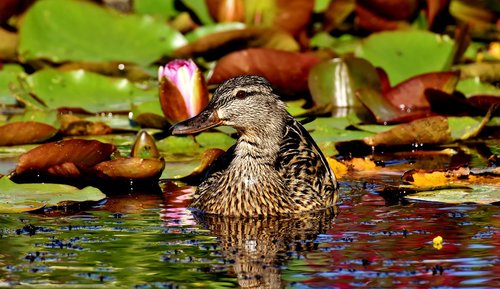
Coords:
28,197
87,90
62,30
403,54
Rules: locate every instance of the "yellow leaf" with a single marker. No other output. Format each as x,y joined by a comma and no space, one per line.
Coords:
362,164
337,167
429,179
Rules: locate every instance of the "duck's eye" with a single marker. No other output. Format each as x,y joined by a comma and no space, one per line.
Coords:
241,94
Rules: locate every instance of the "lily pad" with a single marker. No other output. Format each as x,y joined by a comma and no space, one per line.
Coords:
29,197
69,30
474,86
8,75
403,54
89,91
481,194
206,30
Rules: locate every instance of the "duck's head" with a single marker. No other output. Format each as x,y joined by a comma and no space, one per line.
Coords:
246,103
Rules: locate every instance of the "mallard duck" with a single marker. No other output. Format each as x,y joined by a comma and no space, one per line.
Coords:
275,167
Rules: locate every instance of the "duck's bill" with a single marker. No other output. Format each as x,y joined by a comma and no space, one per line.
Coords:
203,121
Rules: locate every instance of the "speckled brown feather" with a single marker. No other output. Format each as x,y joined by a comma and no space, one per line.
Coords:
275,168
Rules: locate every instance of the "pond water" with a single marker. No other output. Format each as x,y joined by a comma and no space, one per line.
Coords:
150,240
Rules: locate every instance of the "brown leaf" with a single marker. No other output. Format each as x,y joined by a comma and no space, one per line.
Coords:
130,168
82,153
337,12
218,44
207,159
430,130
370,21
390,9
433,9
287,71
410,94
73,125
25,132
227,10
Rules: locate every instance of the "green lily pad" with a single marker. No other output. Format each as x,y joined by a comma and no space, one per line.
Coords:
8,75
164,9
213,28
403,54
480,194
191,146
199,7
69,30
28,197
87,90
47,116
464,127
474,86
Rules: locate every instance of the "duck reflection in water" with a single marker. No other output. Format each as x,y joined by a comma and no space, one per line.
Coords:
259,247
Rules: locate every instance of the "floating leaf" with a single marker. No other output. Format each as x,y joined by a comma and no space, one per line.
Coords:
481,194
188,145
89,91
410,94
68,30
8,75
25,132
335,81
383,111
403,54
207,30
29,197
218,44
64,156
474,86
72,125
160,8
287,71
130,168
430,130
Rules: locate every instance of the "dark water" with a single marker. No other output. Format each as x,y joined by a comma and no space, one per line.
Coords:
150,240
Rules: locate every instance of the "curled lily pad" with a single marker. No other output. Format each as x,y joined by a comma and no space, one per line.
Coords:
64,158
431,130
130,168
61,30
25,132
410,94
335,81
29,197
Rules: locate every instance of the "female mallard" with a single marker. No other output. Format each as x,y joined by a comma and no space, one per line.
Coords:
274,168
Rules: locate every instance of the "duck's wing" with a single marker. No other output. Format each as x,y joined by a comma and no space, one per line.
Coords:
305,169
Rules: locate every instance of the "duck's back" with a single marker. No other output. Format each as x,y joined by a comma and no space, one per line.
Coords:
310,180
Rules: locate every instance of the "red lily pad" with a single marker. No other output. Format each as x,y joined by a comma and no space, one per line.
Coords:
25,132
389,9
289,15
130,168
368,20
64,158
287,71
218,44
410,94
383,111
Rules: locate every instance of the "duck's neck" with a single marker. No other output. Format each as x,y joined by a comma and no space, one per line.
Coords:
260,145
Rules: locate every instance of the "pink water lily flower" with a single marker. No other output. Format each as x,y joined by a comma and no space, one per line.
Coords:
183,90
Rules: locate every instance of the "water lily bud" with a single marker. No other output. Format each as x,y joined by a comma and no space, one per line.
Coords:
144,146
183,90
